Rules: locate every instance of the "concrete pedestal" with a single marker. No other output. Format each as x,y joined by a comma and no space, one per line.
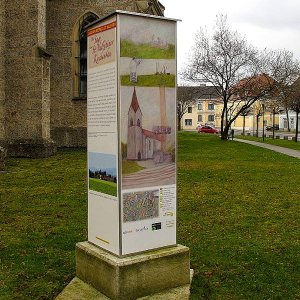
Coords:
135,276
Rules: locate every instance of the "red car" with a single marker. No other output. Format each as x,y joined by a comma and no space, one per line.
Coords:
207,129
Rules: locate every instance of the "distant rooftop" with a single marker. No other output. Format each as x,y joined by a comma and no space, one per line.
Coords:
199,92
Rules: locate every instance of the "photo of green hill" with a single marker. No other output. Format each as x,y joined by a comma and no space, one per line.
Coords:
103,173
103,186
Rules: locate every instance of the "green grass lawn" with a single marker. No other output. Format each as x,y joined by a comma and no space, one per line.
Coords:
146,51
277,142
130,166
154,80
43,215
103,186
238,211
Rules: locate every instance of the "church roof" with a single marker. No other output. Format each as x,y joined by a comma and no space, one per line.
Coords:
198,92
134,102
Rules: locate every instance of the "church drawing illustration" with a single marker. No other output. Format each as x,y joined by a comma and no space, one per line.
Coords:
142,144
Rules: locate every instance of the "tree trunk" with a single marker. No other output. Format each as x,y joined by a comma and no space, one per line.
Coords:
273,134
224,133
263,123
297,124
257,121
288,121
179,124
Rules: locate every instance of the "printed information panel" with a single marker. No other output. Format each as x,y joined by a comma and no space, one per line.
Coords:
103,204
148,133
132,133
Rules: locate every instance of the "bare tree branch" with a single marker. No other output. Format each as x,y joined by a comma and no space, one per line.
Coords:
242,74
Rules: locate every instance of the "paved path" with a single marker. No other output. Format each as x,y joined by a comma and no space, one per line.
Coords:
287,151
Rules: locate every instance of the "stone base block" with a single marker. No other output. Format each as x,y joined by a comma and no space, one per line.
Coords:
134,276
79,290
31,148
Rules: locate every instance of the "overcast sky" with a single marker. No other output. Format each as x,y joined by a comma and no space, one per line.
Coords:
272,24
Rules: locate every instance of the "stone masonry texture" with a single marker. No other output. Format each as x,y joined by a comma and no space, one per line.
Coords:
2,69
37,105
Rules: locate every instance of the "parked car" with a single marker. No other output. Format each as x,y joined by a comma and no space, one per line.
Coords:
270,128
208,129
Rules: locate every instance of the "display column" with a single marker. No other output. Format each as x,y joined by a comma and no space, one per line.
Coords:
132,250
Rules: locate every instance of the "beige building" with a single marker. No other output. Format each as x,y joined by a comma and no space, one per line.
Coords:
203,109
206,109
257,116
43,70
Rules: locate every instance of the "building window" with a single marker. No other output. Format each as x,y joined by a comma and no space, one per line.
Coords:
211,106
211,118
83,65
131,122
199,118
79,64
138,123
199,106
188,122
190,109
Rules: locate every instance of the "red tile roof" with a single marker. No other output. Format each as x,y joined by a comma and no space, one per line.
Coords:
255,86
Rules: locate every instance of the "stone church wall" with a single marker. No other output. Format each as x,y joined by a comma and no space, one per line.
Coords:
38,110
68,115
27,94
2,70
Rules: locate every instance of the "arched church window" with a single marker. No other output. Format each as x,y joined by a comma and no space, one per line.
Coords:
80,55
138,123
131,122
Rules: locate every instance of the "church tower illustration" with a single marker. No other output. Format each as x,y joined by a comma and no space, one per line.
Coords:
135,131
142,144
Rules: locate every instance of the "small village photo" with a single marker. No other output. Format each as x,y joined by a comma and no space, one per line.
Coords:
102,173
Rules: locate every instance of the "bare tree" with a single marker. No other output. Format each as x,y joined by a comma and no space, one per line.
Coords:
286,74
242,74
274,106
245,113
